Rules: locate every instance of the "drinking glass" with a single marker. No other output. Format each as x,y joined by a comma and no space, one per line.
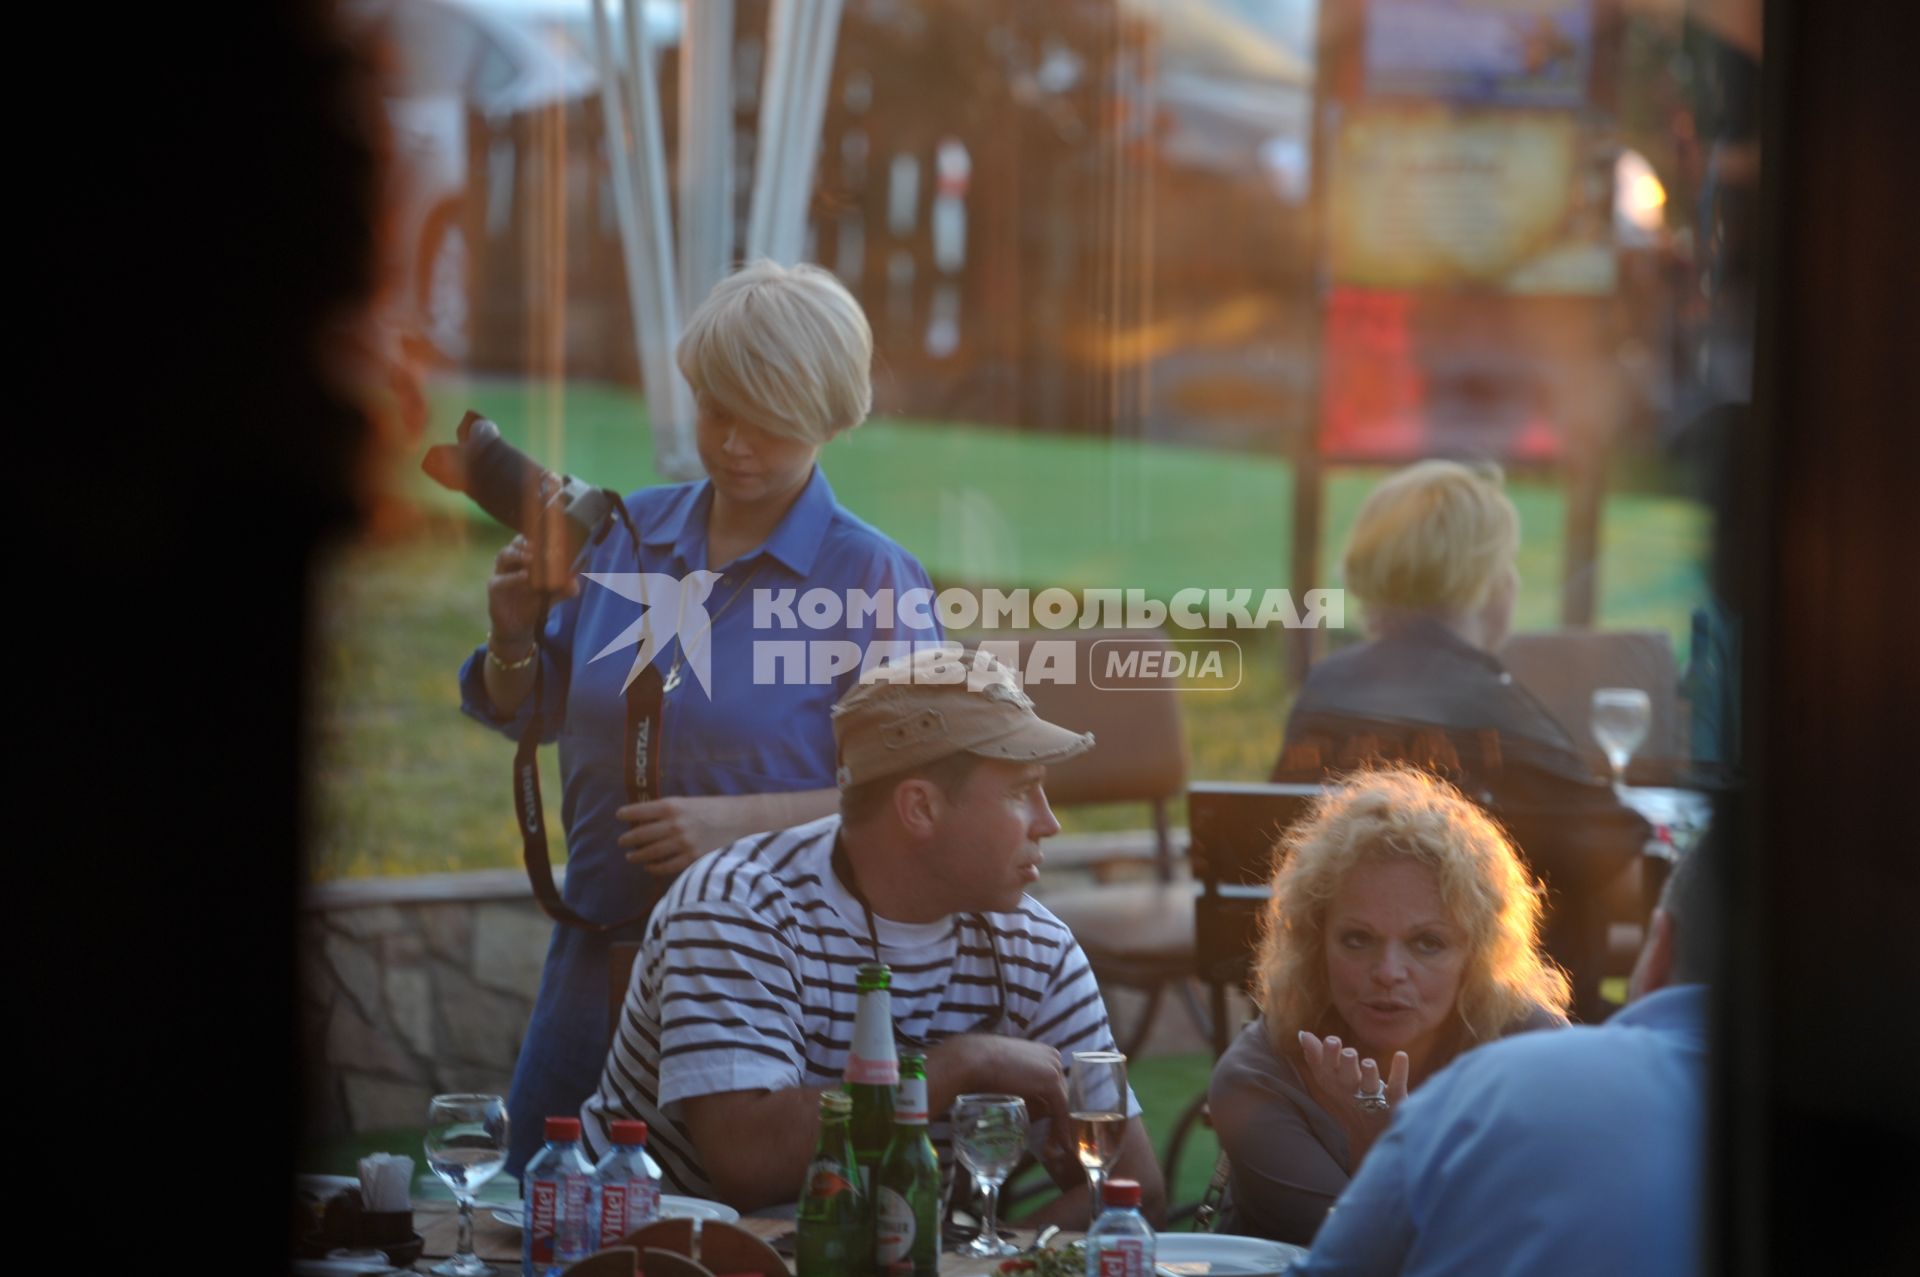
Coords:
1621,717
466,1146
1097,1103
989,1135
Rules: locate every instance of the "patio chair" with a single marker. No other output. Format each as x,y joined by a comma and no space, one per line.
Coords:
1563,667
666,1263
1232,830
720,1247
1136,934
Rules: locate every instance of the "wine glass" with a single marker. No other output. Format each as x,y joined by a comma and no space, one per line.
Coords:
1621,717
989,1135
1097,1103
466,1146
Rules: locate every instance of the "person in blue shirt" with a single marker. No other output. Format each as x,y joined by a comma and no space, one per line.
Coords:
779,360
1580,1151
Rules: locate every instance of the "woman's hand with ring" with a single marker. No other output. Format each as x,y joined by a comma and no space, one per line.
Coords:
1337,1075
1375,1096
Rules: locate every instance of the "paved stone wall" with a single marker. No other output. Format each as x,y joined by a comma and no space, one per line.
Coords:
415,986
411,987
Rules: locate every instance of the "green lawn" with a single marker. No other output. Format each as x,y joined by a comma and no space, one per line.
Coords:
405,785
983,505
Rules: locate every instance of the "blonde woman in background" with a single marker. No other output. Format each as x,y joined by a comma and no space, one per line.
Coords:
1432,560
1402,931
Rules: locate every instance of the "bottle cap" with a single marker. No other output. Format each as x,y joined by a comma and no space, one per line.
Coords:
1124,1193
563,1128
628,1132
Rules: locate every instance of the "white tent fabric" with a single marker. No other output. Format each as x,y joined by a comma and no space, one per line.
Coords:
637,152
706,148
801,38
664,284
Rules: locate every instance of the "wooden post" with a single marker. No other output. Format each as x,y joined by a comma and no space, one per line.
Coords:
1334,33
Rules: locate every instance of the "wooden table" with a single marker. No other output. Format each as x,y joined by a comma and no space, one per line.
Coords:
438,1224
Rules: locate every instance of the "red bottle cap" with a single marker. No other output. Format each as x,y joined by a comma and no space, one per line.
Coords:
563,1128
628,1132
1121,1192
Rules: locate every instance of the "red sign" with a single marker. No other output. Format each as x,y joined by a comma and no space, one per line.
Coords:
1406,375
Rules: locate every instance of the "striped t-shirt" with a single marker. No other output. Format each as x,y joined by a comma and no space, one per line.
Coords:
746,982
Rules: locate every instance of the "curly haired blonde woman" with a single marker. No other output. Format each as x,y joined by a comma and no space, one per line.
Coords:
1403,929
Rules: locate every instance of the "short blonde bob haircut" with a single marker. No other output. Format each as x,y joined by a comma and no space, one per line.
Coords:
1393,814
1434,537
784,348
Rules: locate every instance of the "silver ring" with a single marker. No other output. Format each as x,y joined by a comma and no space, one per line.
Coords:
1372,1101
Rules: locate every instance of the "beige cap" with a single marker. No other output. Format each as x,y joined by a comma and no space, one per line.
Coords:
946,700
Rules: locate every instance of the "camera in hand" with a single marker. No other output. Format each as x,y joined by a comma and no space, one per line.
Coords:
556,513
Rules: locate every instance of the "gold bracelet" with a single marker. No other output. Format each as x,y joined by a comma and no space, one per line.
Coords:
508,667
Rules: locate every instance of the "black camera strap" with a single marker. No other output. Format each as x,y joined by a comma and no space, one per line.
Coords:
646,705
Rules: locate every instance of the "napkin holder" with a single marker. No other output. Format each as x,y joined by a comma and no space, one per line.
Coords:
347,1224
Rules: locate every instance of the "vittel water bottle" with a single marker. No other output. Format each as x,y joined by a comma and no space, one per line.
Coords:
626,1185
1120,1244
557,1188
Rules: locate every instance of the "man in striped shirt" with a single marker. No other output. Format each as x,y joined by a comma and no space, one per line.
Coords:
741,1007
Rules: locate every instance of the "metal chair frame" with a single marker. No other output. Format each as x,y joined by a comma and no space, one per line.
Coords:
1232,830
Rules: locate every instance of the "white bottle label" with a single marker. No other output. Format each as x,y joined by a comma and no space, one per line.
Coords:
873,1060
893,1228
910,1101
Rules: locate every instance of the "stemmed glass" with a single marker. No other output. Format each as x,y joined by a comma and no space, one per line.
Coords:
1097,1102
989,1135
466,1146
1621,717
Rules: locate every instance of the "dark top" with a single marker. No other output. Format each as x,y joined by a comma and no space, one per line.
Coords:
1422,674
1289,1155
1422,694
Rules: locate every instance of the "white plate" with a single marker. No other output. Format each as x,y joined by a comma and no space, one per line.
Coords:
1208,1255
324,1186
672,1206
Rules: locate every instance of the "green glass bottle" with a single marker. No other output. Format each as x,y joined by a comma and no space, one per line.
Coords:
833,1209
906,1204
873,1067
873,1070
